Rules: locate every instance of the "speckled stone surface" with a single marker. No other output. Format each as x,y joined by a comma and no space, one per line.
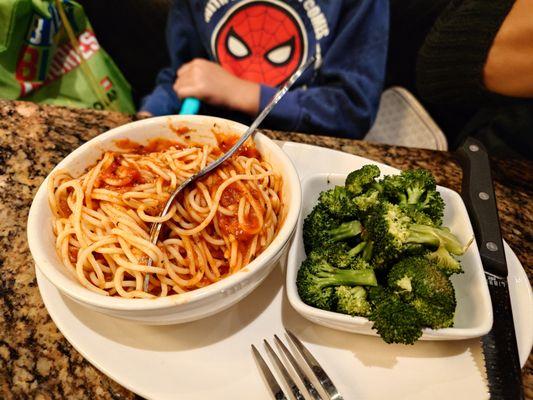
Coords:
35,359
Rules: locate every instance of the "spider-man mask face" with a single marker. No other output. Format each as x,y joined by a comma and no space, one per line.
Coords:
260,41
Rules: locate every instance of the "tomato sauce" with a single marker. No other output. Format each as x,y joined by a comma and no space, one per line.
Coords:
231,195
226,142
153,146
179,131
229,225
73,254
121,175
223,269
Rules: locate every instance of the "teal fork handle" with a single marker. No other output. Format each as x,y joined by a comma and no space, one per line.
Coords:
190,106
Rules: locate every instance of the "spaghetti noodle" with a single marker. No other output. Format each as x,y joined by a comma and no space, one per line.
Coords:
215,227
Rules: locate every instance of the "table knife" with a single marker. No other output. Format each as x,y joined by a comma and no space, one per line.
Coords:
499,345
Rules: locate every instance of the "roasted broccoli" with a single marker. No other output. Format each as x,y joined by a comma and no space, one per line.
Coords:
446,239
432,315
352,300
445,261
361,179
322,229
418,217
377,248
315,224
339,203
395,320
364,203
421,284
316,280
340,255
415,190
394,234
376,294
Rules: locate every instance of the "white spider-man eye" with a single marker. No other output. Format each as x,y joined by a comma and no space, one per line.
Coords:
282,53
236,46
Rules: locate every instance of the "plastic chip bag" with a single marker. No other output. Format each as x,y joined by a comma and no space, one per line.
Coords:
50,54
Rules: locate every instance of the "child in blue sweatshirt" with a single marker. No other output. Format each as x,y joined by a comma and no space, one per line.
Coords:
232,54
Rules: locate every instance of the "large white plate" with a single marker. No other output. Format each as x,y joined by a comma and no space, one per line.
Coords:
211,358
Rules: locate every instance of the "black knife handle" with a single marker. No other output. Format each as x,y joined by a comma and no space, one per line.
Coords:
478,194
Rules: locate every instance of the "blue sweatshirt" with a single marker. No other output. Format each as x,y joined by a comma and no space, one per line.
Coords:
267,40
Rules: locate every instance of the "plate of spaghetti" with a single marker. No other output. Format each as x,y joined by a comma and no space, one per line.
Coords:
89,224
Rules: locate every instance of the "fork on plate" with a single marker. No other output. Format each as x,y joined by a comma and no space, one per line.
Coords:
274,386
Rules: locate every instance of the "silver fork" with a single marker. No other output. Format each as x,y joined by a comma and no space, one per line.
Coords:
323,379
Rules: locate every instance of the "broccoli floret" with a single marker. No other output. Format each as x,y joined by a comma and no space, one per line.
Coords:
395,320
377,294
338,202
445,261
420,283
360,263
423,279
352,300
394,234
415,190
316,278
341,256
433,316
365,202
321,229
315,224
388,227
361,179
433,206
410,186
418,217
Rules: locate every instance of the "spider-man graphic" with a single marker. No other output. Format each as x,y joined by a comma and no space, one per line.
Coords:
261,41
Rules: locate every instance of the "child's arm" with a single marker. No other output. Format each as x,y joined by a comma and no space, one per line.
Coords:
344,97
183,45
211,83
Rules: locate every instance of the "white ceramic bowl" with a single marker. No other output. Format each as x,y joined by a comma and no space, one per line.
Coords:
178,308
473,316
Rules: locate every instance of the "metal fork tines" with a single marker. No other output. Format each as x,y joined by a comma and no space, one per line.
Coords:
323,378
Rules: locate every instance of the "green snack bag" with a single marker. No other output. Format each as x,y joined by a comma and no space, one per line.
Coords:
49,54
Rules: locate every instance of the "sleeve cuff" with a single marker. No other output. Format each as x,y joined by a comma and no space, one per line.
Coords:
162,101
286,114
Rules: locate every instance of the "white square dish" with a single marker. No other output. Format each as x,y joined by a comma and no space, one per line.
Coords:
473,316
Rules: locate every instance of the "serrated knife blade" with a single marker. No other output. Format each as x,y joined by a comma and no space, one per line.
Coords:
499,345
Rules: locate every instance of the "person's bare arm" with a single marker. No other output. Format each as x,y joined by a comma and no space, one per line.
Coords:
509,67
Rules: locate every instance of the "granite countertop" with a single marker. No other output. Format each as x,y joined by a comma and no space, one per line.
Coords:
36,361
